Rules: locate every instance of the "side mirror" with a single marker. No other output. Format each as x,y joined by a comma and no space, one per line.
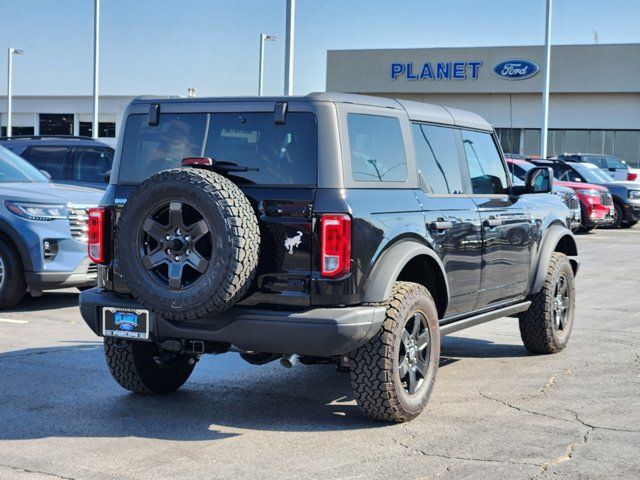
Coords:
539,180
107,176
46,174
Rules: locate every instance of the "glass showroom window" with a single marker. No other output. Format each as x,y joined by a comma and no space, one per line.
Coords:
509,139
601,141
627,146
105,129
56,123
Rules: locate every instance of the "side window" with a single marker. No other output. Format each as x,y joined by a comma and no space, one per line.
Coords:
613,162
377,148
437,158
562,172
91,164
50,159
487,172
598,161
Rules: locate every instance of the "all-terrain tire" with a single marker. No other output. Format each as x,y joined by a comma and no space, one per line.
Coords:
539,328
375,367
235,243
141,367
12,283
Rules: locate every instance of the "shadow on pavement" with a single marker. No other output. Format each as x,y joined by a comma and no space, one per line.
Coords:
67,391
50,300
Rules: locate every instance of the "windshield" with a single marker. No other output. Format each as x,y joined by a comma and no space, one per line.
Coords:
14,169
250,148
592,175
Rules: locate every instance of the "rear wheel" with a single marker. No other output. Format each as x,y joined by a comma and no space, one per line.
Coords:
546,326
143,367
12,283
393,374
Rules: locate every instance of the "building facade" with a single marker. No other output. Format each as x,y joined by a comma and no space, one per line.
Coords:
594,99
64,115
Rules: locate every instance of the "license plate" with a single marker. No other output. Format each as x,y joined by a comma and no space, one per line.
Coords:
125,323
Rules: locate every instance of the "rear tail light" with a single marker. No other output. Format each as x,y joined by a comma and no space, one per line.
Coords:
335,256
97,224
631,177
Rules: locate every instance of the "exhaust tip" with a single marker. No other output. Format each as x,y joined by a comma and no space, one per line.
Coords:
288,361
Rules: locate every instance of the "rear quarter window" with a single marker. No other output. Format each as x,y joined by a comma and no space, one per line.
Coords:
270,154
377,148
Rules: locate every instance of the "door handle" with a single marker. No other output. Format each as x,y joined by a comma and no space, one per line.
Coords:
440,225
492,222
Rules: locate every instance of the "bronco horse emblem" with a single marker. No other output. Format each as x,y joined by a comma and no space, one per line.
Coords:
293,242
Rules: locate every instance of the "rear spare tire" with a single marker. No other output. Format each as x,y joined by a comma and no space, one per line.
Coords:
187,243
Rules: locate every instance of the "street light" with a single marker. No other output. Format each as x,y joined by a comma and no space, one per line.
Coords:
288,48
263,37
11,53
96,67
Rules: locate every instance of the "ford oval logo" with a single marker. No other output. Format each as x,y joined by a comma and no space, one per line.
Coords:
516,69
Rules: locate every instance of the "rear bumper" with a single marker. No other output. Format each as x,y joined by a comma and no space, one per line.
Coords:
321,332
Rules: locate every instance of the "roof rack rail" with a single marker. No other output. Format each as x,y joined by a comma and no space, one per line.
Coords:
40,137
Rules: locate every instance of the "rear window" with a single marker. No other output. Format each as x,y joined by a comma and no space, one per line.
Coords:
265,153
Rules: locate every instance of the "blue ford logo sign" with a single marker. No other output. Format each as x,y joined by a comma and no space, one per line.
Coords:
516,69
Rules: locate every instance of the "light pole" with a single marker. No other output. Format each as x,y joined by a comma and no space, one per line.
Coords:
10,53
263,37
96,65
288,50
545,88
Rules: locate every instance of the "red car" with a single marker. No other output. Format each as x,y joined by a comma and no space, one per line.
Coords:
596,203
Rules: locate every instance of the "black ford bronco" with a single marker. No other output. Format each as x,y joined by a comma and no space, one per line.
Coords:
324,228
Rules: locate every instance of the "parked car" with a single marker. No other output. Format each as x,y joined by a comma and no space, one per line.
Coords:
67,159
43,232
626,195
595,203
519,169
325,228
609,164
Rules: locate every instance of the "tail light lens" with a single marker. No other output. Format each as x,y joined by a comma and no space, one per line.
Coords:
335,257
631,177
97,223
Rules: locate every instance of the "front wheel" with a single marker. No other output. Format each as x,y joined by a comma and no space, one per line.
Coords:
143,367
12,283
393,374
618,215
546,326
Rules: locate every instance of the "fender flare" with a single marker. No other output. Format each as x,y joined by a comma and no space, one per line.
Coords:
13,235
389,265
555,234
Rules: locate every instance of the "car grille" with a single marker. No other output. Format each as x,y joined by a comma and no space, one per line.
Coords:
79,223
570,199
605,198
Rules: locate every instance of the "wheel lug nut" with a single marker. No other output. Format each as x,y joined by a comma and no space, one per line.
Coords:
178,231
167,237
188,252
187,238
177,258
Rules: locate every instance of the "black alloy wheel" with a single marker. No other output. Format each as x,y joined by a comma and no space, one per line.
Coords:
175,244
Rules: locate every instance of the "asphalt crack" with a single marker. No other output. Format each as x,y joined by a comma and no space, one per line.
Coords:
37,472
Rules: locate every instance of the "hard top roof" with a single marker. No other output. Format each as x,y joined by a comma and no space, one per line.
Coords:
418,111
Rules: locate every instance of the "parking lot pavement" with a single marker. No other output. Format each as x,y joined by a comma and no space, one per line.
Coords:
496,412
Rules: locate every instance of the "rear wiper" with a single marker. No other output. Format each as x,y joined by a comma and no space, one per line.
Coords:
231,167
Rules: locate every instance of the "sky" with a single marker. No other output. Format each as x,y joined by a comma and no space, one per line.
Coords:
163,47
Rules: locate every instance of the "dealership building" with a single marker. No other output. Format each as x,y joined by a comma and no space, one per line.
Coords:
64,115
594,91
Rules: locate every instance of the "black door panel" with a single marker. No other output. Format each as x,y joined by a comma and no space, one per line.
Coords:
506,252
